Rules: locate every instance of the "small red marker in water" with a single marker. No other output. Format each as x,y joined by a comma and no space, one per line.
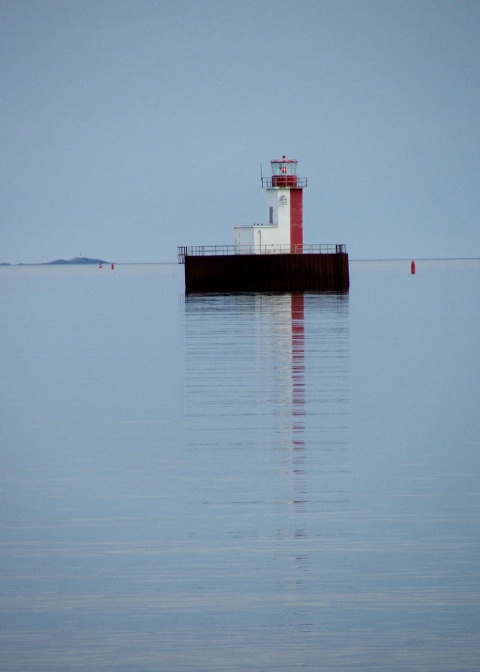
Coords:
113,265
412,268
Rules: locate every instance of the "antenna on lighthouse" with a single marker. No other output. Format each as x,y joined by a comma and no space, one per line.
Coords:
261,174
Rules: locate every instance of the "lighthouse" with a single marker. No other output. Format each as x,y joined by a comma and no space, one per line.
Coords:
270,257
283,230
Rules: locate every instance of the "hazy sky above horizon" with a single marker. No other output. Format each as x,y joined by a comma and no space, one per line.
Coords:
131,127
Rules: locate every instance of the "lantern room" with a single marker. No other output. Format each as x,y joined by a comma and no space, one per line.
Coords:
284,172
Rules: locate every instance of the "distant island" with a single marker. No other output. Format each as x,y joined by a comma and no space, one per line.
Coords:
63,262
76,260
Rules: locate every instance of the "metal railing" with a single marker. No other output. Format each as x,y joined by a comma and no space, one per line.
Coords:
227,250
301,182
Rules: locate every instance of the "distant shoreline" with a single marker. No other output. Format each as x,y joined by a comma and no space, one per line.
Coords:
61,262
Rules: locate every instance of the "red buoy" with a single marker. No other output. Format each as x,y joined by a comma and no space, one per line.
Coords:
412,268
113,265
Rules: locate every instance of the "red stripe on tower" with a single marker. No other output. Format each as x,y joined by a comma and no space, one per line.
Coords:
296,217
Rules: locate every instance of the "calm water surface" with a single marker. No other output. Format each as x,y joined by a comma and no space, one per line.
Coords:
242,482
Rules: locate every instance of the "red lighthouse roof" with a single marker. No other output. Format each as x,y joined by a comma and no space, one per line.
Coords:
284,160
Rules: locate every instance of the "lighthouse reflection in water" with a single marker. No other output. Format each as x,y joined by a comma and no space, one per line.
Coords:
268,416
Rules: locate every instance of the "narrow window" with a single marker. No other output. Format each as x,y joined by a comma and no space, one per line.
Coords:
270,215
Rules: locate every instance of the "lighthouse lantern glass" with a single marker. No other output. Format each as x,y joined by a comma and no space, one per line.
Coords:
284,166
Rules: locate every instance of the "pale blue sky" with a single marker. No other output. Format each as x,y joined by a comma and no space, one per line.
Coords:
131,127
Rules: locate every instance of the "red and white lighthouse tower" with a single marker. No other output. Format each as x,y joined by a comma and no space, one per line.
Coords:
283,230
285,201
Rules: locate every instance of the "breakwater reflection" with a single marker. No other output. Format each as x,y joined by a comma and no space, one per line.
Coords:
268,420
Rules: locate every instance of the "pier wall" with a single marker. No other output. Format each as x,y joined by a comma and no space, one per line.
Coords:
267,273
